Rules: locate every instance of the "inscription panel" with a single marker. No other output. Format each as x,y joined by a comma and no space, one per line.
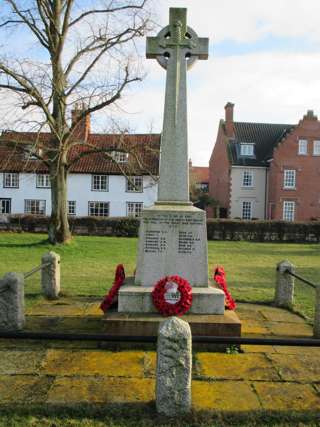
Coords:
170,243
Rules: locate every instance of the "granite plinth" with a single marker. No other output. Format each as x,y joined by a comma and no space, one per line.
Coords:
137,299
172,241
138,324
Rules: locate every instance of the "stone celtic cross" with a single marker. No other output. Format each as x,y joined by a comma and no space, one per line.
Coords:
176,48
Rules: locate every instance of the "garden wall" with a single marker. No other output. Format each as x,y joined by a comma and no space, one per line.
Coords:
218,229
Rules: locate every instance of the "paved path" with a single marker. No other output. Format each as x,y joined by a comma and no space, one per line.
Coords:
67,373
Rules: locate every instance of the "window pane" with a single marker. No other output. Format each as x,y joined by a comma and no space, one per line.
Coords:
246,210
11,180
303,147
100,182
288,210
316,148
134,209
289,178
5,206
43,181
71,207
247,179
98,208
135,184
35,207
246,149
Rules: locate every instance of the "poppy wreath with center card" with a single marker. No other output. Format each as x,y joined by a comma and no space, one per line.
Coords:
172,304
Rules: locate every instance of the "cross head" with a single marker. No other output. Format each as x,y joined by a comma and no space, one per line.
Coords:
176,38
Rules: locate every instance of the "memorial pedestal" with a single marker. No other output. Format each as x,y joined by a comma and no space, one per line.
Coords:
172,241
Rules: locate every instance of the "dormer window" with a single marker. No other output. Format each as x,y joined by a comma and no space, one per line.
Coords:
246,149
31,152
120,156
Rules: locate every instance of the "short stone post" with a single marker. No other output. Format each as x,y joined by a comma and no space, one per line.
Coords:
50,275
12,316
174,367
284,292
316,324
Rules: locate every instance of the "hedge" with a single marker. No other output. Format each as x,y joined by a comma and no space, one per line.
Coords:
218,229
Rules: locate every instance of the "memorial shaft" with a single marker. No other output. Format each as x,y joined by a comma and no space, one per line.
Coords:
176,48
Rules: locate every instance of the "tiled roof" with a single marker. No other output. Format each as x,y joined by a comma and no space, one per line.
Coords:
265,136
201,173
143,160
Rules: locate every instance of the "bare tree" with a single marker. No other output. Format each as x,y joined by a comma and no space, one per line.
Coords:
80,53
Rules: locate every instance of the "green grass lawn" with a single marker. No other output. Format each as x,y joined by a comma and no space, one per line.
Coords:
88,264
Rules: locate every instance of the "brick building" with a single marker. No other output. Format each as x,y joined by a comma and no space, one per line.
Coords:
267,171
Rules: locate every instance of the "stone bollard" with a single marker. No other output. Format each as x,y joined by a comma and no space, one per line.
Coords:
174,367
50,275
316,324
284,293
12,302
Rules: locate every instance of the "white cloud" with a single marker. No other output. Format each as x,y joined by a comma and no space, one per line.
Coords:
266,87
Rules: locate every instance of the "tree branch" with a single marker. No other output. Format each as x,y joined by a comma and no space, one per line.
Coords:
31,23
107,10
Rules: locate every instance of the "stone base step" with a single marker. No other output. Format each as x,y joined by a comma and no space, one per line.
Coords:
137,324
137,299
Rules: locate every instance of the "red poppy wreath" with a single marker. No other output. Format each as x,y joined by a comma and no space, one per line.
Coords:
112,296
172,296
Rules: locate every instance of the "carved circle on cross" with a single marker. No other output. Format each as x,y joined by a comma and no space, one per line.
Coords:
164,37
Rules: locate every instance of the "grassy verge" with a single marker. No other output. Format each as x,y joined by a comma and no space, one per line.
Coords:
88,265
144,416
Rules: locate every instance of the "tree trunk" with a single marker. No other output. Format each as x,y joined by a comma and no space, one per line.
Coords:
59,231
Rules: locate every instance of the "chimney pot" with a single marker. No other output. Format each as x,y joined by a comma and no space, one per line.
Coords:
229,126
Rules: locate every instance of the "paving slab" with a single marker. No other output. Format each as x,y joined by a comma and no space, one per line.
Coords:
236,366
224,396
93,362
283,349
281,316
14,362
23,389
258,349
253,327
74,390
57,310
298,367
290,330
287,396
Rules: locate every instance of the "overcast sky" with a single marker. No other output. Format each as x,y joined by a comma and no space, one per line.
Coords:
264,57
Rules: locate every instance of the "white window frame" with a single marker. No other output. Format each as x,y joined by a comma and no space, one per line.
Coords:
10,180
99,182
246,149
98,208
302,147
120,156
246,213
289,208
71,207
134,184
289,179
134,209
247,178
316,148
5,206
43,180
34,207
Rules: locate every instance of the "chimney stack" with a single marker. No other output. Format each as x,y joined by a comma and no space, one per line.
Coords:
82,129
229,127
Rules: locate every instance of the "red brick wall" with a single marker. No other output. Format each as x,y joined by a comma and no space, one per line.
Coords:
219,179
285,156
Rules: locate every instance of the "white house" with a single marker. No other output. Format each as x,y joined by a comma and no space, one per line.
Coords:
88,194
97,185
